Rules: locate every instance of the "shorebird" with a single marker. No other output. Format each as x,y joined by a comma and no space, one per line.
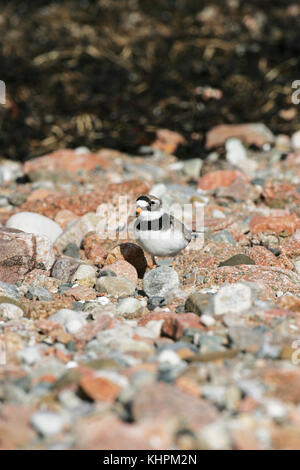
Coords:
158,232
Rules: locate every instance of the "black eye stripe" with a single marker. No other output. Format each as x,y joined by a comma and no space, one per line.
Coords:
144,198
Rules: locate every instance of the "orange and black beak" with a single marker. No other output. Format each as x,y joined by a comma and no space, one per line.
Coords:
138,211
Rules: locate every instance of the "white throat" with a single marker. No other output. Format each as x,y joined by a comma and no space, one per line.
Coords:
148,215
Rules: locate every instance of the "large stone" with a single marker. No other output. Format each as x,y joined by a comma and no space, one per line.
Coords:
252,134
38,224
218,179
17,254
286,224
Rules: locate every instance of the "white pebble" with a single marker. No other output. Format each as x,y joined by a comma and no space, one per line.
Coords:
71,320
128,305
29,355
169,356
233,298
207,320
296,140
47,423
38,224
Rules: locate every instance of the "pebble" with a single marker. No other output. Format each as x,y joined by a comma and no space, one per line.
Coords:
47,423
10,311
39,293
64,268
236,260
295,141
29,355
223,236
128,306
71,250
115,286
38,224
233,298
70,319
155,301
9,290
199,303
160,282
236,153
192,167
170,357
85,275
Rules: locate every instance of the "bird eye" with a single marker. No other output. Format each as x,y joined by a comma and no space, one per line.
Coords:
152,203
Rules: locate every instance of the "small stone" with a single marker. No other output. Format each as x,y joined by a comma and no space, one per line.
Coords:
64,268
246,339
237,260
207,320
215,436
131,253
198,303
223,236
219,179
160,282
71,250
167,141
10,311
127,306
192,167
71,320
233,298
45,254
47,423
236,153
170,357
85,275
29,355
155,301
39,293
175,326
100,388
123,269
92,244
76,230
115,286
64,217
257,181
106,273
31,222
9,291
296,140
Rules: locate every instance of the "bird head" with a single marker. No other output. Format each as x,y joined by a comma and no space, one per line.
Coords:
147,202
